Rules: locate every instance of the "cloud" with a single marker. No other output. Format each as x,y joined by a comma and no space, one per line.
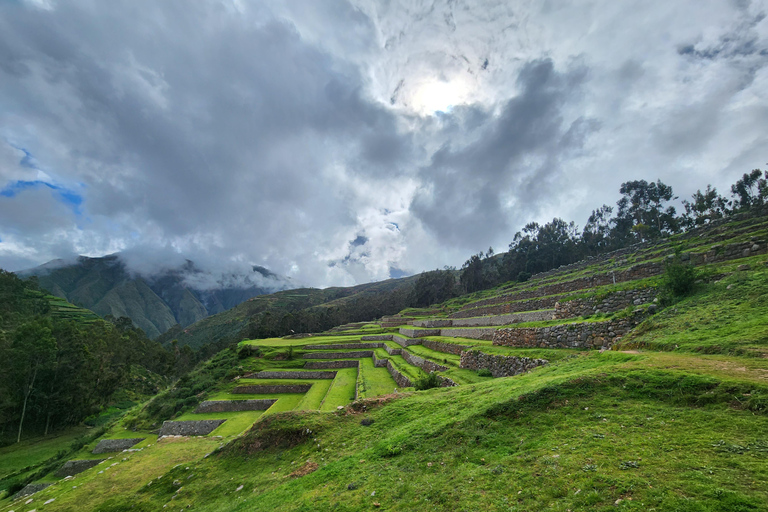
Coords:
243,133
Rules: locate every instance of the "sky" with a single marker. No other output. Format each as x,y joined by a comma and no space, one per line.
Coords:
340,142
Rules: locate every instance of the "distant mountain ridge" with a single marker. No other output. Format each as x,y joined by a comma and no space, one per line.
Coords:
155,302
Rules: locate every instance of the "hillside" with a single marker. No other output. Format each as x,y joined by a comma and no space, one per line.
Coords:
601,385
311,310
155,302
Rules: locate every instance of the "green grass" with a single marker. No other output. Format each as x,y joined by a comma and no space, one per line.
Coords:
580,434
713,320
35,450
342,390
434,356
374,381
314,397
236,422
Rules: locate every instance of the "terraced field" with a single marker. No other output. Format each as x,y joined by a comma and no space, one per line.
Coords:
553,328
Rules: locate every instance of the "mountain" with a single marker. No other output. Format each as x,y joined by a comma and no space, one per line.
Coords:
154,302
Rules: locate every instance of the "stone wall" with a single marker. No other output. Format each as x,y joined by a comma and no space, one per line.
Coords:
508,307
512,318
339,355
719,252
347,346
393,351
291,375
433,322
424,364
332,365
234,405
418,333
575,335
405,342
448,348
29,490
73,467
116,445
476,333
189,428
400,379
266,389
377,337
499,365
379,363
613,302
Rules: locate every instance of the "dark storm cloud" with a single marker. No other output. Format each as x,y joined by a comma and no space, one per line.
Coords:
469,188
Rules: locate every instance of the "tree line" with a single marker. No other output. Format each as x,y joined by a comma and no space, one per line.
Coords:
642,213
57,372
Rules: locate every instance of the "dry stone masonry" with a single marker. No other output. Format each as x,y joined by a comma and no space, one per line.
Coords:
234,405
338,355
611,303
499,365
29,490
291,375
424,364
447,348
73,467
116,445
332,365
266,389
189,428
349,346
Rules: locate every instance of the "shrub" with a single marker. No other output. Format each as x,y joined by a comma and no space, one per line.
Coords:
523,276
427,382
484,372
679,279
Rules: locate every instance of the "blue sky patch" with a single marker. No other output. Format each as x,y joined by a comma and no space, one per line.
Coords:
66,196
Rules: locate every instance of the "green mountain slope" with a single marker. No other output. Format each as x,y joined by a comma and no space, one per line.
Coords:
155,303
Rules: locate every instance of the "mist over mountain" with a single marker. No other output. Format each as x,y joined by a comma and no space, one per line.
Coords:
156,298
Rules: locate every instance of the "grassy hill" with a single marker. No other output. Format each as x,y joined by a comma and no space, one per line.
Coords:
629,394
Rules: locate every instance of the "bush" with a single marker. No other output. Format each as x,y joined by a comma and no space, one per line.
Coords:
523,276
484,372
427,382
679,279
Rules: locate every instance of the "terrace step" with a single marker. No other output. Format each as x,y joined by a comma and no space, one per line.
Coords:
484,321
267,389
116,445
338,355
189,428
351,346
234,405
74,466
291,375
332,365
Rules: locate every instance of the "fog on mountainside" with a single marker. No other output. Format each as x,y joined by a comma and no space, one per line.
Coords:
155,297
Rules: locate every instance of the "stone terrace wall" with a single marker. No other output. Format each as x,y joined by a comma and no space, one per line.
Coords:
433,322
377,337
427,366
418,333
448,348
73,467
116,445
339,355
576,335
379,363
345,346
234,405
189,428
509,307
640,271
400,379
291,375
719,252
612,303
477,333
29,490
266,389
332,365
405,342
513,318
393,351
499,366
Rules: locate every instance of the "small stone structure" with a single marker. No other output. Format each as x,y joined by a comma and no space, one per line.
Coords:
424,364
499,365
234,405
29,490
116,445
393,351
405,342
189,428
338,355
292,375
332,365
73,467
448,348
266,389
